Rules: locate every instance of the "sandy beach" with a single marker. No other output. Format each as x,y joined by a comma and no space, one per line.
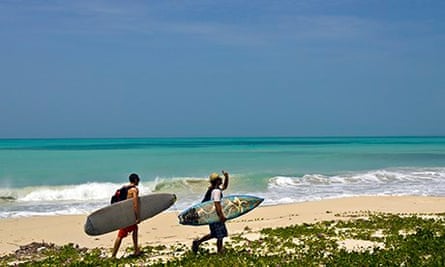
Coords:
164,228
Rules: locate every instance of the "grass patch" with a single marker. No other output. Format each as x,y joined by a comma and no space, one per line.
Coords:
390,240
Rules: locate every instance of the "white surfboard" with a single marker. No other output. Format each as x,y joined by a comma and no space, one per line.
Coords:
121,214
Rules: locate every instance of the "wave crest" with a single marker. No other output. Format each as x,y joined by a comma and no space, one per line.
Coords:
99,191
378,177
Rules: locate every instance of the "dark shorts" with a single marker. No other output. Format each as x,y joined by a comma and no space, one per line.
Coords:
124,231
218,230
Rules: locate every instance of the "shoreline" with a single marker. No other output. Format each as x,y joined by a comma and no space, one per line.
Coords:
164,229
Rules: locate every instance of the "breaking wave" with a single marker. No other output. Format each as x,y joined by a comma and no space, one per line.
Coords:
277,189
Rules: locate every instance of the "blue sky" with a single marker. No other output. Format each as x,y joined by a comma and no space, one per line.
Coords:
228,68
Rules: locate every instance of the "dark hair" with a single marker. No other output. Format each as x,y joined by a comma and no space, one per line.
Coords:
214,182
133,177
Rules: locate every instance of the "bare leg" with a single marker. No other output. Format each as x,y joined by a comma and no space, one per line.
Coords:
196,243
117,244
219,245
135,243
204,238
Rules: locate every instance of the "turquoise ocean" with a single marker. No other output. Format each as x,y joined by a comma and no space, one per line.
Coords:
77,176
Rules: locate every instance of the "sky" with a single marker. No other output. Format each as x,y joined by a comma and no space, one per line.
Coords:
92,69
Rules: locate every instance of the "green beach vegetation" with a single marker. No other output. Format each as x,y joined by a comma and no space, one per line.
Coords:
364,239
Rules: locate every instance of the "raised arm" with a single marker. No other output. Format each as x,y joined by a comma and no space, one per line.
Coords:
226,180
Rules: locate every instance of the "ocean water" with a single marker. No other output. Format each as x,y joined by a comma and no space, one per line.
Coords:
77,176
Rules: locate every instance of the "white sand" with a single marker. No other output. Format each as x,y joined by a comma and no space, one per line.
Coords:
165,229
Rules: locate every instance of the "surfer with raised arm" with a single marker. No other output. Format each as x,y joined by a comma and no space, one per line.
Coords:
133,193
218,230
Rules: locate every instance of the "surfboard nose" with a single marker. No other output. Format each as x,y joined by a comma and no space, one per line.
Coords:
89,228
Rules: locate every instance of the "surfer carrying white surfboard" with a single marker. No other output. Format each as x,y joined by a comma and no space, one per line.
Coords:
133,193
218,230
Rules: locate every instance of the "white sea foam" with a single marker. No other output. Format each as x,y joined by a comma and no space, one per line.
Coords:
82,192
84,198
90,191
400,181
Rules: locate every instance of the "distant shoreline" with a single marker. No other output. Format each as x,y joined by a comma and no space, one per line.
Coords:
220,137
